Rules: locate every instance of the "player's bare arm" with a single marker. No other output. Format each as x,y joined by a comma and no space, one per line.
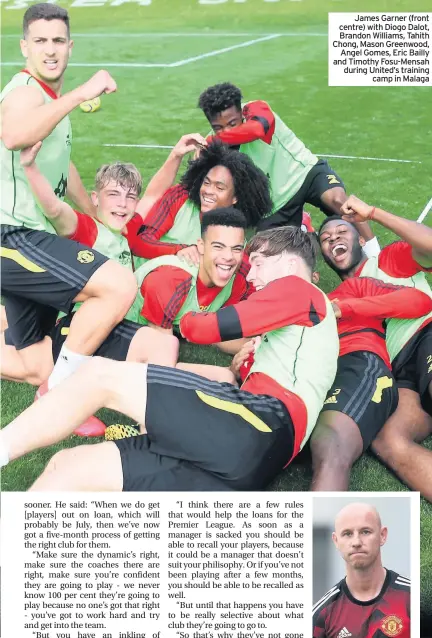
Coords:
419,236
61,215
166,175
27,119
77,193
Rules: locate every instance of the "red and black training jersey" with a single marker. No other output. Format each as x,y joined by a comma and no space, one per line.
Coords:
87,231
397,261
339,615
283,302
166,288
365,303
157,223
259,124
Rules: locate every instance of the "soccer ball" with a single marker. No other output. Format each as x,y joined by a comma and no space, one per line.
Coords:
90,106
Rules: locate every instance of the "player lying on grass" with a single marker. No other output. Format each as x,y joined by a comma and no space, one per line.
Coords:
409,342
364,393
218,178
241,437
296,175
120,214
168,289
40,269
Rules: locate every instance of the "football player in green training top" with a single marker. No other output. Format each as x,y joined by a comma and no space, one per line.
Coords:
40,269
296,175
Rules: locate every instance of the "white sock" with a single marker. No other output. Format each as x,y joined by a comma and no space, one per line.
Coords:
66,364
372,248
4,454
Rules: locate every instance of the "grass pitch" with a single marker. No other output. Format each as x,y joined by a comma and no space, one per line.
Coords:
162,59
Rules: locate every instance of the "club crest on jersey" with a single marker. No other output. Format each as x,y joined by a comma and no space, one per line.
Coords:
85,256
392,626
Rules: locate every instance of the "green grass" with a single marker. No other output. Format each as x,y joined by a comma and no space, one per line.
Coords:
158,105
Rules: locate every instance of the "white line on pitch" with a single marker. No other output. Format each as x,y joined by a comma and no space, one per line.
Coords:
248,43
378,159
425,211
169,65
138,145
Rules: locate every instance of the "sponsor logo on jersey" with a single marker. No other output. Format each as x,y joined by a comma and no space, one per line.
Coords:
392,626
344,633
85,256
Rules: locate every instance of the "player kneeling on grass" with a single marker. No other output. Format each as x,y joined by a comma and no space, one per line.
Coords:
409,342
202,434
218,178
119,216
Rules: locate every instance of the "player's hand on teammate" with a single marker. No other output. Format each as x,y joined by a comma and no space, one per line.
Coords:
28,155
188,143
190,255
100,82
244,355
336,309
354,210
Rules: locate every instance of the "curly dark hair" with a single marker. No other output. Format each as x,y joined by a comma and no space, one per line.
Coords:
219,97
251,186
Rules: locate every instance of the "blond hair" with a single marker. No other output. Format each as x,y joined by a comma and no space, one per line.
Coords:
127,175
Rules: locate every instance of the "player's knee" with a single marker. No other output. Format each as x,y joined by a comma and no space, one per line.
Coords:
390,446
116,283
37,372
331,447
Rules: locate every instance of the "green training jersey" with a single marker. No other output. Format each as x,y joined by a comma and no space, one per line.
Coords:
391,264
18,206
303,360
191,303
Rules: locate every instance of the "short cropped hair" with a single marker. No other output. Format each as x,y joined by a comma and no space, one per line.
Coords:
218,98
286,239
127,175
45,11
228,216
333,218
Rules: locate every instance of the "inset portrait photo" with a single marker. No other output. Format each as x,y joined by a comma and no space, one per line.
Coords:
363,564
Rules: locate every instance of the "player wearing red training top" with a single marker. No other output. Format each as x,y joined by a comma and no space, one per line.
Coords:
296,175
240,438
409,342
364,394
371,601
119,217
218,178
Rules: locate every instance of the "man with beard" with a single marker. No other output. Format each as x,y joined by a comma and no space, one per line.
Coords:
218,178
409,342
371,600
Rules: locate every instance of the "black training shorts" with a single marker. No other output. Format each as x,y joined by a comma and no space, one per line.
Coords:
365,390
115,346
412,367
320,179
241,439
40,269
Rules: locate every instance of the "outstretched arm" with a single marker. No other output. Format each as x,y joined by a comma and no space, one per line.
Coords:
78,194
419,236
26,118
60,214
166,175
